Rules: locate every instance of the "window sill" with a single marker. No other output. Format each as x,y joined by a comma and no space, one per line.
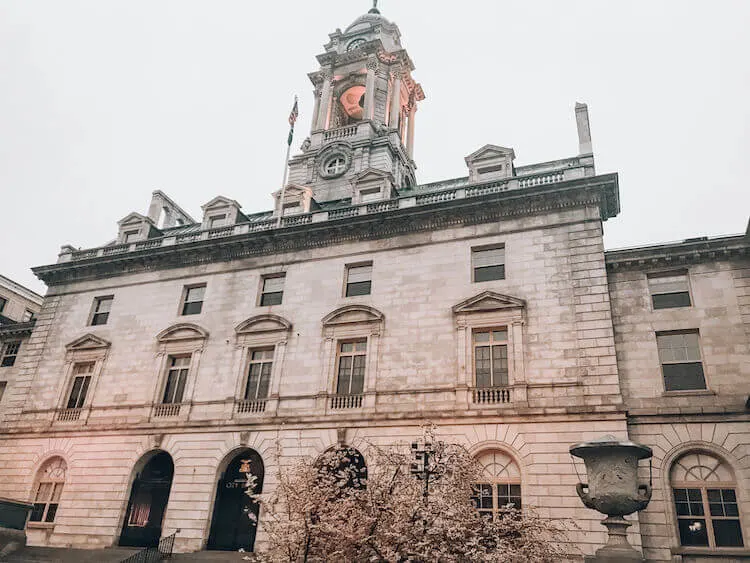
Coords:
41,525
712,551
688,393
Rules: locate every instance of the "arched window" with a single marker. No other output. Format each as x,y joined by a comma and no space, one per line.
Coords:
501,485
48,489
706,502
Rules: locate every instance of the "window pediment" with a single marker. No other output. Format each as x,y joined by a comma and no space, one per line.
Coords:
181,332
489,301
263,324
133,219
353,314
87,342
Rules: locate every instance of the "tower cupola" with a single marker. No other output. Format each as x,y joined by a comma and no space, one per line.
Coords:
365,102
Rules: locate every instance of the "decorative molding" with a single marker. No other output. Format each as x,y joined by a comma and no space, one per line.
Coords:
263,324
488,301
353,314
181,332
87,342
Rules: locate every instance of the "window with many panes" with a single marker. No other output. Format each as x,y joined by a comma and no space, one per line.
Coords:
10,353
351,363
48,489
193,300
680,357
259,374
358,280
501,489
488,263
706,504
176,379
79,388
272,291
102,307
669,290
491,357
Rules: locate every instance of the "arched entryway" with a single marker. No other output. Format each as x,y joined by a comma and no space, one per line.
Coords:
232,526
148,502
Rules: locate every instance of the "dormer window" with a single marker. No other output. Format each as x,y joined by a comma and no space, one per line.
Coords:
292,208
130,236
371,194
217,221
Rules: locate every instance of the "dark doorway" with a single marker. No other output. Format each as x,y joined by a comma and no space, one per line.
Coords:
232,526
148,501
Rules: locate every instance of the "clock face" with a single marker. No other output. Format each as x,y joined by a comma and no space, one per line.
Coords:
353,102
355,44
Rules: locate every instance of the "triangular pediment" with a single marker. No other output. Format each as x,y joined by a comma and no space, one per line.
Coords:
490,151
220,201
353,314
182,331
372,175
133,219
263,323
293,191
489,301
87,342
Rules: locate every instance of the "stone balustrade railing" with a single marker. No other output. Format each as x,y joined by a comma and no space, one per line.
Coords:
430,198
339,402
490,395
169,409
251,407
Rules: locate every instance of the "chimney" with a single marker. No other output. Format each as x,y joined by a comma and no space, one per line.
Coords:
584,129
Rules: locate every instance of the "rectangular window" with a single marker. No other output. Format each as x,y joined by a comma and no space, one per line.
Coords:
259,374
491,358
3,385
130,236
81,380
293,208
102,307
3,303
46,501
491,499
488,263
273,291
177,372
217,221
708,517
669,290
680,357
358,280
10,352
193,303
351,361
370,194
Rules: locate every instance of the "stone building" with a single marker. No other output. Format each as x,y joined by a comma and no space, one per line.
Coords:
18,309
365,304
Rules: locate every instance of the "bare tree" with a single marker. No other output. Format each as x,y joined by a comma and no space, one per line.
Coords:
331,509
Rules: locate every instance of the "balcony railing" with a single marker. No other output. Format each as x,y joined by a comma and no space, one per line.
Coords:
251,407
170,409
68,415
340,402
451,190
490,395
340,133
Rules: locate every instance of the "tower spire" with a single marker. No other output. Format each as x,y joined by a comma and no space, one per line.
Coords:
374,9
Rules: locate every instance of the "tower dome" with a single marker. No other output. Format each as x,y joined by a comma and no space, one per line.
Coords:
371,18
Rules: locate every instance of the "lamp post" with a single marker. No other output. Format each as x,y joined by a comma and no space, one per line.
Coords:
427,466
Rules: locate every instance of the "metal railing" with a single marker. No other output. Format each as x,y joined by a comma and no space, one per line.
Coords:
153,554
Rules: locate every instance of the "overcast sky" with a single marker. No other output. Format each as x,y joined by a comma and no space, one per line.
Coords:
101,102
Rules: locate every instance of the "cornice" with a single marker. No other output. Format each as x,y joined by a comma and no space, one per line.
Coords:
690,251
599,191
16,330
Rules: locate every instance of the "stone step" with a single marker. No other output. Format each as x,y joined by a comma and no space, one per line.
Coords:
68,555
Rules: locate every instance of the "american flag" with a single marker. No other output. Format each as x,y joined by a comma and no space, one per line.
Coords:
295,113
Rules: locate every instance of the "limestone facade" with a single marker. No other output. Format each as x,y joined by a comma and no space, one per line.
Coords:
228,333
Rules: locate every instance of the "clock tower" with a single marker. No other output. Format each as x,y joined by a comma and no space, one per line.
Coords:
362,139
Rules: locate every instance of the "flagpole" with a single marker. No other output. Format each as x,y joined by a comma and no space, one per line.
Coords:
292,120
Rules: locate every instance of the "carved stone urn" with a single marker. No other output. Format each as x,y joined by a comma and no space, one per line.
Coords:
613,489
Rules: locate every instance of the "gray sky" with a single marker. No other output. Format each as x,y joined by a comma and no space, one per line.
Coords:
101,102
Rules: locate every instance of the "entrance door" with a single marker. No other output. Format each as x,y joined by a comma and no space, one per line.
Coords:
148,502
232,526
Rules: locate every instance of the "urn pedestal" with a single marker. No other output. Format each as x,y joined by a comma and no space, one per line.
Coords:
613,490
